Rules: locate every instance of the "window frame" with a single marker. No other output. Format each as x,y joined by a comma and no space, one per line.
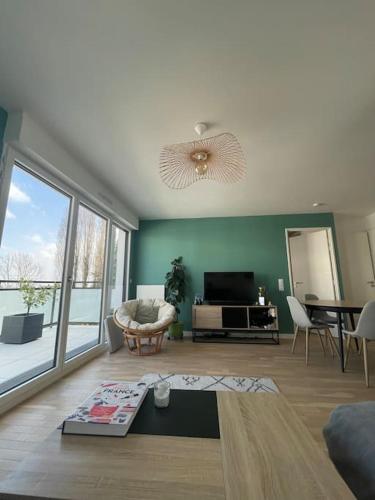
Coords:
57,180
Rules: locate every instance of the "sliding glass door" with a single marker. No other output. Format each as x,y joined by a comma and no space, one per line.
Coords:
87,282
32,259
62,265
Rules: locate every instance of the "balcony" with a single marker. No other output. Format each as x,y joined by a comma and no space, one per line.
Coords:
21,362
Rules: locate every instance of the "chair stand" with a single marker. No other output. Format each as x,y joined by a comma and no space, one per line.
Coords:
329,340
144,343
365,360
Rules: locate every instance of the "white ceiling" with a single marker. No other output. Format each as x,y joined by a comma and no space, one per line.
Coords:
114,80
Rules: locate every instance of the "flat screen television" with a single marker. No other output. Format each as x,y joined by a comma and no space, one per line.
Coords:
233,288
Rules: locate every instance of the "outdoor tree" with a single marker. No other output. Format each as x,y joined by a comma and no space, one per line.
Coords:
99,251
60,247
6,265
15,266
89,249
34,297
86,231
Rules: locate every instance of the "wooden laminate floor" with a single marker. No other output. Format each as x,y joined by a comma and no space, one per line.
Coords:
313,391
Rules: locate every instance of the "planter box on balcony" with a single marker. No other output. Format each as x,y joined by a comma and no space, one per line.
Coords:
21,328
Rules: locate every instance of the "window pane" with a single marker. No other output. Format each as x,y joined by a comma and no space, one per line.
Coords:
117,270
87,283
32,252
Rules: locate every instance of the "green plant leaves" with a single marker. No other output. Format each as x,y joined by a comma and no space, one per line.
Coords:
175,284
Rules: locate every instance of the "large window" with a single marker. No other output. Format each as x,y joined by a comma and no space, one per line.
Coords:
32,257
58,274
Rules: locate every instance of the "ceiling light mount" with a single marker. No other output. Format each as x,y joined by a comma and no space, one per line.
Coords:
199,156
200,128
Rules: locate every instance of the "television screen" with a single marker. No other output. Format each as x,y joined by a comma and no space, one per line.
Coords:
229,288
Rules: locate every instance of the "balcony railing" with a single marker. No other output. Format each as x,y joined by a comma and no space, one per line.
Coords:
84,304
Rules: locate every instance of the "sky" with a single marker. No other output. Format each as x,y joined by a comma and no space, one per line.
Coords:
34,213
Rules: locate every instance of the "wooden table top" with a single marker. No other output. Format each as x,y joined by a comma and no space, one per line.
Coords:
338,305
265,452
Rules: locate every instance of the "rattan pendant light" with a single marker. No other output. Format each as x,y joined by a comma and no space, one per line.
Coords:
217,158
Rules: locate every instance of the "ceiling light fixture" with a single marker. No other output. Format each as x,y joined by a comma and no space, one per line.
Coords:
318,204
218,158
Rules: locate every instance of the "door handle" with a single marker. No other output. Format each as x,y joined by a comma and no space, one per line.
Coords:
298,283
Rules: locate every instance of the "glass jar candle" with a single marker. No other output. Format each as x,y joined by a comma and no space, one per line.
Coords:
162,391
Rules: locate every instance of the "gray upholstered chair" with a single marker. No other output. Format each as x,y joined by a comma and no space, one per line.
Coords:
366,331
303,322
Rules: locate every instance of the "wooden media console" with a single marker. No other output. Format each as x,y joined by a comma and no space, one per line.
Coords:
240,324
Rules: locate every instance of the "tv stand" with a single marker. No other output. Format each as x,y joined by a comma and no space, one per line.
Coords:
237,324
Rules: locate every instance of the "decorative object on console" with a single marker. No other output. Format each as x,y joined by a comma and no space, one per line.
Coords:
198,299
219,158
175,285
262,296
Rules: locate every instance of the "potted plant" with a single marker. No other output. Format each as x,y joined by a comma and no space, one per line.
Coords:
25,327
175,289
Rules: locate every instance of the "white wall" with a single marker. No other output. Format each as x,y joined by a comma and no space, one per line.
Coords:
354,255
25,135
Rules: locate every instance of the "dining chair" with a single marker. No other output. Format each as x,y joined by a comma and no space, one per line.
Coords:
303,322
366,331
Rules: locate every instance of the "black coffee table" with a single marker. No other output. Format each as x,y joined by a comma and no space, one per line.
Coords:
189,414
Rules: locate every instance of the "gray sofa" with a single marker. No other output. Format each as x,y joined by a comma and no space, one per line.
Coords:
350,438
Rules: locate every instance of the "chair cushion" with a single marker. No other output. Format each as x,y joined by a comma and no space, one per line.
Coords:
126,315
146,313
350,438
319,325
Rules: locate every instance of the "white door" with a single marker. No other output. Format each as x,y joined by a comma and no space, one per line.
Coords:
299,264
363,268
311,264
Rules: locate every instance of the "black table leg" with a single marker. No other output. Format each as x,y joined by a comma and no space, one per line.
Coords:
341,342
352,323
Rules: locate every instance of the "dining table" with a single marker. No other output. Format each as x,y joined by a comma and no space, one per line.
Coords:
339,307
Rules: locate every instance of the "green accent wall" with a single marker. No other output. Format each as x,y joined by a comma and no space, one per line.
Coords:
220,244
3,121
